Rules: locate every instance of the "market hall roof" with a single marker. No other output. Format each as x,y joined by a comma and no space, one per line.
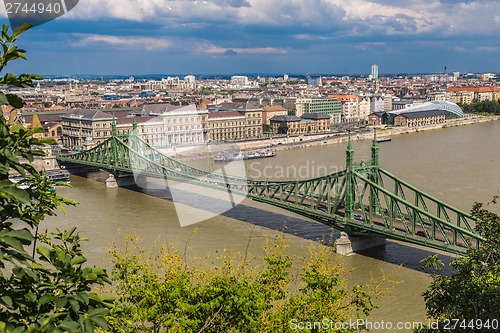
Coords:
451,109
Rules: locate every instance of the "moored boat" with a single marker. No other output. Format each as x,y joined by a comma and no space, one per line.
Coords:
229,158
383,139
58,176
261,154
241,156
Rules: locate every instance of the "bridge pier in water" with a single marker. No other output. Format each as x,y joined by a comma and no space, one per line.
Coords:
111,181
346,245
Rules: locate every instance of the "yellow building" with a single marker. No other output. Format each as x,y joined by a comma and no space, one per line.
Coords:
320,122
270,111
85,128
251,128
307,123
228,125
420,118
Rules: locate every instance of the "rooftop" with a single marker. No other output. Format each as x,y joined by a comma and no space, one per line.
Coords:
225,114
451,109
315,116
87,115
284,118
424,113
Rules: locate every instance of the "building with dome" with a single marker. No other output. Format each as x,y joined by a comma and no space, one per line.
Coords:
428,113
451,110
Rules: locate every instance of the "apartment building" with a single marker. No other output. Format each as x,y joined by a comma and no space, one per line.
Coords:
84,128
270,111
472,93
161,124
307,123
170,125
220,121
329,106
229,125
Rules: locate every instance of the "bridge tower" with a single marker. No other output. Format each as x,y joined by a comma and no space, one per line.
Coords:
375,149
350,186
114,144
373,176
134,124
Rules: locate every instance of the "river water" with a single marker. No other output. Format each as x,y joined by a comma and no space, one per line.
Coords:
458,165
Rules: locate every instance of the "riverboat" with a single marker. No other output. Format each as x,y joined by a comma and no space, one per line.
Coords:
261,154
383,139
229,158
61,176
58,176
241,156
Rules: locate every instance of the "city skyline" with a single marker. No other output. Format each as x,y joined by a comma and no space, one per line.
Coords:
257,36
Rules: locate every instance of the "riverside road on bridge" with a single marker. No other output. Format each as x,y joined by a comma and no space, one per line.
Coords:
362,200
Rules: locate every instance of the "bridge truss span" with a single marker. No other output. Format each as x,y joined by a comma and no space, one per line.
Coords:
364,199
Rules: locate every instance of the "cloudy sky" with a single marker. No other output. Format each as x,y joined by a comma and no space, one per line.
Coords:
132,37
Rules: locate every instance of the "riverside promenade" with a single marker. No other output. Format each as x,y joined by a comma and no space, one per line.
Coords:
283,143
309,140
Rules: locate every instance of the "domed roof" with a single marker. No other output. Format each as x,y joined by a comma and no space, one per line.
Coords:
452,110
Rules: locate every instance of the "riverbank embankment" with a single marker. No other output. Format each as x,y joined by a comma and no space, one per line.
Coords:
309,140
382,131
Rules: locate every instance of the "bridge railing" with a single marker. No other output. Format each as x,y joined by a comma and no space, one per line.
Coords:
383,204
402,213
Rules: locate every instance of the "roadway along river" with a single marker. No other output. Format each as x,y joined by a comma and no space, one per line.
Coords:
459,165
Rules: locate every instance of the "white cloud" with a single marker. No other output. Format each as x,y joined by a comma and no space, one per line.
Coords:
311,37
210,48
487,49
320,19
368,46
124,42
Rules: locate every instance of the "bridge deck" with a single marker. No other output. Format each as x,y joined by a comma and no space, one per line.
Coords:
364,199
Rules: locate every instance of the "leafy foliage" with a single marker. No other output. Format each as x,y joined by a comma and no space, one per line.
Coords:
160,292
489,107
472,292
51,292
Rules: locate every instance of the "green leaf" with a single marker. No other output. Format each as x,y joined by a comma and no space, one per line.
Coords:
3,99
23,235
17,128
98,312
75,305
20,29
82,298
44,252
12,242
15,101
61,301
46,299
89,327
71,326
7,301
10,190
78,260
100,321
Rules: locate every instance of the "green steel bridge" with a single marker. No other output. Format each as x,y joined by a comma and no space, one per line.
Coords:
362,200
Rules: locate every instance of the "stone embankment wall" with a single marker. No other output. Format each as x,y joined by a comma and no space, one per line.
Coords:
329,138
284,143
